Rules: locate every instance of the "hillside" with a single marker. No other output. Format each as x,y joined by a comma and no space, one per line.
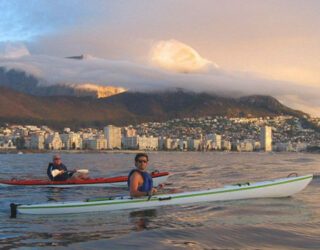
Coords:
129,108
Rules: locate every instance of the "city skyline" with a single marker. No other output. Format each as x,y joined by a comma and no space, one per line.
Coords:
281,133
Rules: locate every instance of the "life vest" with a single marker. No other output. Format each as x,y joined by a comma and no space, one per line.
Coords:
63,177
147,180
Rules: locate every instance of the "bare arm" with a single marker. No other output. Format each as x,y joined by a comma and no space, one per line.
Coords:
136,180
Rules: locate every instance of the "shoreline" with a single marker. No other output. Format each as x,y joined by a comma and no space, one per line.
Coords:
122,151
34,151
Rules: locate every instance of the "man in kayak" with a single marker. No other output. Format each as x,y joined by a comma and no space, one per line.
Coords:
139,180
57,171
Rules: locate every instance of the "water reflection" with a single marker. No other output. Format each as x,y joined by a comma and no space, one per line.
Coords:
244,224
54,194
141,219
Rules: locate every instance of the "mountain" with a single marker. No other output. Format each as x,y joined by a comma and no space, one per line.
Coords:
85,89
29,84
130,108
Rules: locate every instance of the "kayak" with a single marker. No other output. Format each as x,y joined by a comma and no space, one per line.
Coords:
283,187
119,181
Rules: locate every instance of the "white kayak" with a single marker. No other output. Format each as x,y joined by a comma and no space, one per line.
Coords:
283,187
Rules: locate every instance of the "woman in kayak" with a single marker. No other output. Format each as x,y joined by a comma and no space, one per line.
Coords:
139,180
57,171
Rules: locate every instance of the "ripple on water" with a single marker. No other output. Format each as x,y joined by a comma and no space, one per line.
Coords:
249,224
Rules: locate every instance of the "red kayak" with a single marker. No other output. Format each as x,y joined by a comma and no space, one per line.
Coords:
119,181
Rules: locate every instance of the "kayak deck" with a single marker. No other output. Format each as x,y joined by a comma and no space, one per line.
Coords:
283,187
119,181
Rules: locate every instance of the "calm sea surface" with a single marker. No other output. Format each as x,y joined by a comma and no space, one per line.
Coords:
286,223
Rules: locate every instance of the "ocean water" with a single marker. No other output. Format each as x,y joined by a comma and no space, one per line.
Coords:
283,223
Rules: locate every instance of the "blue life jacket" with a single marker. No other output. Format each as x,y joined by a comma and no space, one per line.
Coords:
147,180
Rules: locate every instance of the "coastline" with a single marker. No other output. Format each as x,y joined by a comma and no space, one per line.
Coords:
123,151
45,151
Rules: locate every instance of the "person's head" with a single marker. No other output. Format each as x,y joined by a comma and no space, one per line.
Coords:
141,161
56,159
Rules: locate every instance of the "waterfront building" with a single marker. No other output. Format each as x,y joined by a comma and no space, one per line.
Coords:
213,141
7,144
148,143
165,143
71,140
54,142
97,143
194,144
244,146
174,144
130,142
226,145
266,138
113,136
182,145
37,141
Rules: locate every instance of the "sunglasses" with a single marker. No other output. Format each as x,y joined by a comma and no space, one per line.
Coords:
57,159
142,161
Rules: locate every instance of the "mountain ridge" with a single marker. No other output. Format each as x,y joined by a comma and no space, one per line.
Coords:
29,84
130,108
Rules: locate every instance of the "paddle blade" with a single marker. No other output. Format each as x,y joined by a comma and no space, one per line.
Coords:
55,172
83,171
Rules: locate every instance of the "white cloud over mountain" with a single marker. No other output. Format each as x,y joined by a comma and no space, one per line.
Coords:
177,56
202,75
13,50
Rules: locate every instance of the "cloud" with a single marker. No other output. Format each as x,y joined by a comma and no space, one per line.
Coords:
145,77
177,56
13,50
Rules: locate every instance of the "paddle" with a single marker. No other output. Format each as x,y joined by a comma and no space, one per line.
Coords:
56,172
82,171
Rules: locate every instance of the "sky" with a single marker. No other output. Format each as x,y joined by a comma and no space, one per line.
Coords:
232,47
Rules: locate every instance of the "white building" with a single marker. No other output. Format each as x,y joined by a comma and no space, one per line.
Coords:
266,138
54,142
113,136
7,144
98,143
71,140
161,143
130,142
173,144
148,143
226,145
166,143
37,141
244,146
194,144
214,141
183,145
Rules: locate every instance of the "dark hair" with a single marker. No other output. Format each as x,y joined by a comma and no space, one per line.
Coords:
141,155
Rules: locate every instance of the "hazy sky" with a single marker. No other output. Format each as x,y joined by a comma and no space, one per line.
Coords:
249,46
